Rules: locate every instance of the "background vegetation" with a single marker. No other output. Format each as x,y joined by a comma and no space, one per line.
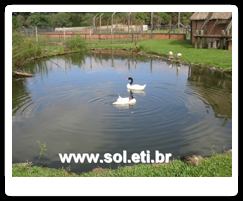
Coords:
86,19
24,49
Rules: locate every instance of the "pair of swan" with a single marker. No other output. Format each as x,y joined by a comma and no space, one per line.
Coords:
129,100
171,55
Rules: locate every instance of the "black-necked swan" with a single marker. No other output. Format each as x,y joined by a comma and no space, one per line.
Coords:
132,86
125,101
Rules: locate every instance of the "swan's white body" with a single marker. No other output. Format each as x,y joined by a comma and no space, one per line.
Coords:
179,54
142,92
124,101
170,53
136,87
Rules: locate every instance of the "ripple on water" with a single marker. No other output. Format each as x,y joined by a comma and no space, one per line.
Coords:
167,115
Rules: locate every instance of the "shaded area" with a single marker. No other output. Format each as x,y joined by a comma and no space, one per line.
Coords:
215,87
21,98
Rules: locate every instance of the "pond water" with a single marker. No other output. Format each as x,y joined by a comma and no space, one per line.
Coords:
67,107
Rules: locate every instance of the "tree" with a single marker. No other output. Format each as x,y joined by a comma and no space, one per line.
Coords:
61,20
87,19
75,19
38,19
142,18
18,21
55,19
185,18
15,23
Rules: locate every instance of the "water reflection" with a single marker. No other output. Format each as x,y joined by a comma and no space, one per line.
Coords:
122,107
140,92
20,96
214,87
174,65
210,85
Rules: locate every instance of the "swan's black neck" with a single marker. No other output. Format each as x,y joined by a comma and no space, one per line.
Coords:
131,80
131,95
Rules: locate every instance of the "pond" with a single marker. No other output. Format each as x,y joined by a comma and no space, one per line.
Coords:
66,107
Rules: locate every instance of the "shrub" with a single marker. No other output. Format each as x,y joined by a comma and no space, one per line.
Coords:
76,43
23,49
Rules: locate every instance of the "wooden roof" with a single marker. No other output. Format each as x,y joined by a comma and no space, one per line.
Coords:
221,16
199,16
211,15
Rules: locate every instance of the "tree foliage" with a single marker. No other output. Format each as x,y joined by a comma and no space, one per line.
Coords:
86,19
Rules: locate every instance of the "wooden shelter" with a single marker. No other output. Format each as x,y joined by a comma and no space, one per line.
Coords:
211,29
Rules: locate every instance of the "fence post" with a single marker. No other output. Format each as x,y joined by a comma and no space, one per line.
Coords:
132,35
128,21
36,34
64,34
179,21
151,23
112,26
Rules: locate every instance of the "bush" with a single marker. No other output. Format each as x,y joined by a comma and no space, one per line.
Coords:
76,43
24,49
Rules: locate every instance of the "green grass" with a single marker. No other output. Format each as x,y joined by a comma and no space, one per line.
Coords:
27,170
210,57
218,165
207,57
52,50
107,44
26,49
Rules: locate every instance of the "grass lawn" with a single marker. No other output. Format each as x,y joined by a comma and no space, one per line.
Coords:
52,50
107,44
210,57
207,57
217,165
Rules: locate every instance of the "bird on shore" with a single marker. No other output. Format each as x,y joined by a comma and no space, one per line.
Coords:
179,55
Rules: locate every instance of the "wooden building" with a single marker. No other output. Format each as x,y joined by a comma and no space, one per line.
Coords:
211,30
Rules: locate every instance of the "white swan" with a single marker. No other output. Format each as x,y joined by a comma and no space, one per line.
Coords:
125,101
141,92
170,55
132,86
179,55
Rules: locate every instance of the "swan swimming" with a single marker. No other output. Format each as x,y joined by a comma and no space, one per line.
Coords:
132,86
125,101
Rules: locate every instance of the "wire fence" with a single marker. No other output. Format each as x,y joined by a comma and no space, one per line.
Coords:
117,33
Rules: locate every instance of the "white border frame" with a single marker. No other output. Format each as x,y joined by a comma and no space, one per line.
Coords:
210,186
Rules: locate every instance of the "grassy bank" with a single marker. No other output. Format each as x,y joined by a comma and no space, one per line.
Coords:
216,165
26,49
209,57
206,57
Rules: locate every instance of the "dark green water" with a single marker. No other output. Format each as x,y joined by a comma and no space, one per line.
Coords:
67,106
